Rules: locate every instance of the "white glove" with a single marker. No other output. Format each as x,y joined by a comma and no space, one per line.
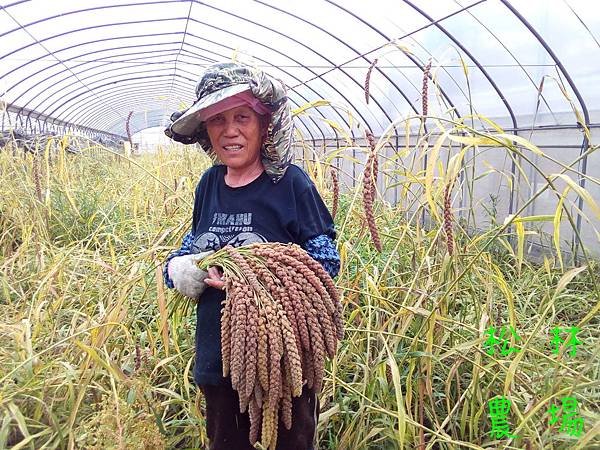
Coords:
186,276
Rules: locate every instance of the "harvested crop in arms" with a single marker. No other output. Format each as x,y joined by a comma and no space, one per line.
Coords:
281,318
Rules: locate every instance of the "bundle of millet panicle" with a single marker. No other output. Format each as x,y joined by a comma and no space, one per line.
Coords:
281,318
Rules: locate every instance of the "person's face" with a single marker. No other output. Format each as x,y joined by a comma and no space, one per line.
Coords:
236,136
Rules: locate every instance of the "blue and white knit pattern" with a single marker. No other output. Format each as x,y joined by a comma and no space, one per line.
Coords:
321,248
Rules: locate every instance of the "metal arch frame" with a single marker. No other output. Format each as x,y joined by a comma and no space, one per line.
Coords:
487,76
86,62
195,56
151,88
134,94
287,56
58,92
363,56
471,57
48,99
187,22
191,54
82,54
39,41
284,71
271,65
413,59
131,100
78,81
513,56
16,99
118,104
79,44
402,37
557,61
160,34
113,77
514,129
92,27
105,82
77,11
347,45
83,93
13,4
130,22
414,62
163,20
586,116
499,92
19,117
158,2
114,95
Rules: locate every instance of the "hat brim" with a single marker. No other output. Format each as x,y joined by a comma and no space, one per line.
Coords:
188,123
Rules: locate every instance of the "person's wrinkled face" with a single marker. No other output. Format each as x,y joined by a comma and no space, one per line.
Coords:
236,136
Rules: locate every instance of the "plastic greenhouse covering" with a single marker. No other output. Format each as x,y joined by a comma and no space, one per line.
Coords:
425,277
91,63
529,67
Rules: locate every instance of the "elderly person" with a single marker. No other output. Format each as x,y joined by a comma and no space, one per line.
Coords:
253,193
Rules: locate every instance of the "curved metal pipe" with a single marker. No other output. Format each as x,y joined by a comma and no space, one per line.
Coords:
413,59
323,30
50,77
157,34
195,55
128,103
286,55
586,116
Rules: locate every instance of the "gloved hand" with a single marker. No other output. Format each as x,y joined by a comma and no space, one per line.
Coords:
186,276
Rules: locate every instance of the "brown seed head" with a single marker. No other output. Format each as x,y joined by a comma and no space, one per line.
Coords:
368,80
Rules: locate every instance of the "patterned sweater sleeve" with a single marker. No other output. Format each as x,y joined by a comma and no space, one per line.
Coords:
322,249
185,249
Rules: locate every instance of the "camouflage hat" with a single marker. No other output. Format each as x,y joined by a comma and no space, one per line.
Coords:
223,80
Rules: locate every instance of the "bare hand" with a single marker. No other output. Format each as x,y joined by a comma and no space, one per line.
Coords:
215,278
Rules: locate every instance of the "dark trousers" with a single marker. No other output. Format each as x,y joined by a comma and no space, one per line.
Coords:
228,429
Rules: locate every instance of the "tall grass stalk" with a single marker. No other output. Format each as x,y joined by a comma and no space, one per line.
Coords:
94,352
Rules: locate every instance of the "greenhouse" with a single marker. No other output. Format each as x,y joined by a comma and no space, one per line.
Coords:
313,225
